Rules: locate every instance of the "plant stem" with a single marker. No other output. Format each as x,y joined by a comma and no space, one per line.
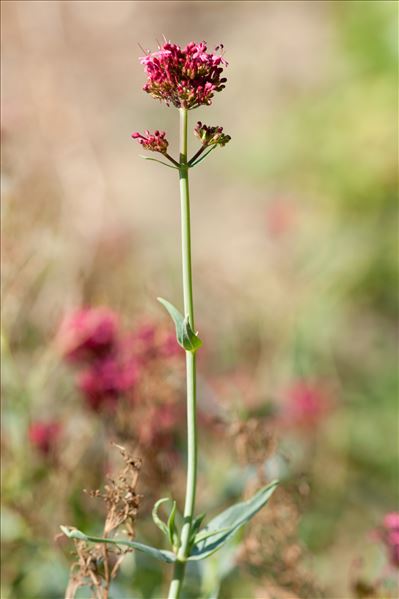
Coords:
178,575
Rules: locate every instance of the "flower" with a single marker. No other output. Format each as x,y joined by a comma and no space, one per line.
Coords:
155,142
281,217
106,381
211,136
44,435
185,77
151,342
88,334
390,537
306,404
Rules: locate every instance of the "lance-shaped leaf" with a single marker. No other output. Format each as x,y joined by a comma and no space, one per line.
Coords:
172,531
159,554
197,521
227,523
157,520
184,333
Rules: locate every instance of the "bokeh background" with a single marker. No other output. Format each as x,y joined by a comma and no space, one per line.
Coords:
294,257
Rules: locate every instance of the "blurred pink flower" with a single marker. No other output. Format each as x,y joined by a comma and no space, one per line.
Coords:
150,341
280,217
306,404
44,435
155,142
112,364
105,381
390,537
185,77
88,334
168,346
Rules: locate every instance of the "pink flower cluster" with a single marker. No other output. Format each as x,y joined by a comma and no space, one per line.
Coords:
110,362
44,435
185,77
211,136
390,537
106,380
155,142
88,334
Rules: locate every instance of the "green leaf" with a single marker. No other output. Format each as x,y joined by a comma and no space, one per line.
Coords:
172,532
184,333
204,534
197,521
156,518
160,162
191,341
227,523
159,554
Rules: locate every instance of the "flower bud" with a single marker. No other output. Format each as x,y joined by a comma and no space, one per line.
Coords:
155,142
211,136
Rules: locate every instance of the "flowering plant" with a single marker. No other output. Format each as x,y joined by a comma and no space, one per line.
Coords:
185,78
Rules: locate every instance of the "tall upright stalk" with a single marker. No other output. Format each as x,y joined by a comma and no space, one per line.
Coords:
179,570
186,78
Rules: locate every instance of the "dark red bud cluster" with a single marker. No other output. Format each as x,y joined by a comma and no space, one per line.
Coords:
211,136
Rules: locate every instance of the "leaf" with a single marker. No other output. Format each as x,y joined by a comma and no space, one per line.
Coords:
228,522
160,162
159,554
184,334
157,520
204,534
172,532
197,521
191,341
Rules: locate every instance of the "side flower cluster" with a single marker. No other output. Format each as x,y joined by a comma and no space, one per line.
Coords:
211,136
155,142
185,77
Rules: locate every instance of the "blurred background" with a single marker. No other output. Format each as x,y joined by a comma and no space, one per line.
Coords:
294,255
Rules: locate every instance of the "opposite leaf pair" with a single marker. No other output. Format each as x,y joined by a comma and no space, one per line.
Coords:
205,542
184,333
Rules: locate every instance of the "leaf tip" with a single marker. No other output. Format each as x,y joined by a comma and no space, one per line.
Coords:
66,531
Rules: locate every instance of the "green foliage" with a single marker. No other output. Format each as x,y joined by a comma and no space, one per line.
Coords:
221,528
157,520
159,554
169,528
184,334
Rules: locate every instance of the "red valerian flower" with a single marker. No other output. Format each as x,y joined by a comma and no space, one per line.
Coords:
106,381
306,404
390,537
44,435
155,142
151,342
281,216
88,334
185,77
211,136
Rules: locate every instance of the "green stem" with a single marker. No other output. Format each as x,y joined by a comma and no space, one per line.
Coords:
183,553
